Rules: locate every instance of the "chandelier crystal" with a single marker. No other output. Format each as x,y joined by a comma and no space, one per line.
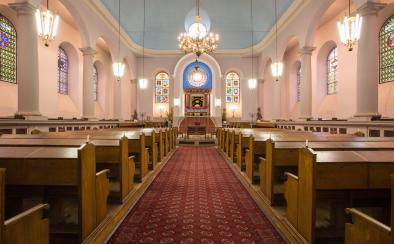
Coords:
350,30
47,25
197,40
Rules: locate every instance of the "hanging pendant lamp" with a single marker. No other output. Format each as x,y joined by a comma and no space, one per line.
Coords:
47,24
350,30
252,82
143,82
118,68
276,67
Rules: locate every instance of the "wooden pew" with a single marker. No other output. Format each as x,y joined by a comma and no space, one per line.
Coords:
284,154
64,177
342,172
110,154
30,226
364,229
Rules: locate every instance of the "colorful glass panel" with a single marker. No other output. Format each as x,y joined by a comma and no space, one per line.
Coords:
386,49
233,91
332,69
162,88
7,51
62,68
95,83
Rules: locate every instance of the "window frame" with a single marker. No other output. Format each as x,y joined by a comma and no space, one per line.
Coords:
59,82
15,52
335,80
386,22
161,85
232,88
95,82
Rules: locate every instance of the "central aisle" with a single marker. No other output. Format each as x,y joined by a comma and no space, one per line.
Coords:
196,199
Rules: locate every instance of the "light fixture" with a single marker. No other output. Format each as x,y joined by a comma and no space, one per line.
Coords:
197,40
350,30
118,67
276,67
252,83
142,81
47,25
218,102
177,102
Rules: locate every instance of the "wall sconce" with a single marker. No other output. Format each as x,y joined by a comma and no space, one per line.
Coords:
143,83
252,83
218,102
177,102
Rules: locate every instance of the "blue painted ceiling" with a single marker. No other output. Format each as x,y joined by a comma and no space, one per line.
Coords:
164,20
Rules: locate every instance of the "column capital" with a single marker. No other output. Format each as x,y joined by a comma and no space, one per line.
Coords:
370,8
87,51
307,50
23,8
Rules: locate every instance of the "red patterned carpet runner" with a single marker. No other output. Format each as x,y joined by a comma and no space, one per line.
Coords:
196,199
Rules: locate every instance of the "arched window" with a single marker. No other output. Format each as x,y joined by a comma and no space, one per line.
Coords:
95,83
162,88
332,68
299,82
386,50
7,51
62,72
233,91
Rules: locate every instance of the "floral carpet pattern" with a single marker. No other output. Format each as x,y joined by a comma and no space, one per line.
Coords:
196,199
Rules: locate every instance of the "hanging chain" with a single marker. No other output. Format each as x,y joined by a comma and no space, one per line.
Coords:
251,21
198,7
143,45
276,33
119,32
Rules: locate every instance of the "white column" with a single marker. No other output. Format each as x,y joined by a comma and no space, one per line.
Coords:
88,96
27,71
306,82
368,62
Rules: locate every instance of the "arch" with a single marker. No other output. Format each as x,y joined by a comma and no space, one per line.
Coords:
8,50
73,69
321,8
321,67
75,11
211,61
386,51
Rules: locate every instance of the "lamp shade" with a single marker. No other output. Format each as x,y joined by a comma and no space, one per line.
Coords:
252,83
47,25
143,83
277,69
118,70
350,30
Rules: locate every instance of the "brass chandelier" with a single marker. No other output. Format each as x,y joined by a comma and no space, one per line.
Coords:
197,40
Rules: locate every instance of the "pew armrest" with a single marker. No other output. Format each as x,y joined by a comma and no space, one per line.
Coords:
102,192
131,171
32,223
364,228
291,196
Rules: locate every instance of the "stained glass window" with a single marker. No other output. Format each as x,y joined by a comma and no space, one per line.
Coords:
7,51
162,88
95,83
299,82
386,40
62,72
332,68
232,88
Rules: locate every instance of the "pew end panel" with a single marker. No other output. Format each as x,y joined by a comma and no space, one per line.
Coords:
365,229
102,192
291,196
28,227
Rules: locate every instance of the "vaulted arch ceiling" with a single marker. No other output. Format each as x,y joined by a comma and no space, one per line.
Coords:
164,20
